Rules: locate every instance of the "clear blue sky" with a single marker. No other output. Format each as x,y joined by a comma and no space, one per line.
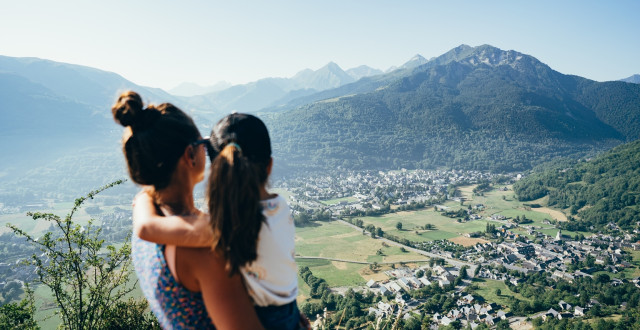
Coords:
162,43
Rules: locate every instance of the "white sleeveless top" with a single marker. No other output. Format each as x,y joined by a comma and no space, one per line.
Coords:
272,279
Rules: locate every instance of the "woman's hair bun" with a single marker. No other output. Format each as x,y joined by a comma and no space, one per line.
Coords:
128,110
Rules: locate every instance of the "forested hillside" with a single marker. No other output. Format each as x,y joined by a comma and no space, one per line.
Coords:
597,192
473,108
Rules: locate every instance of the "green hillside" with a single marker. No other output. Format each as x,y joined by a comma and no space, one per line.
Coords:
597,192
474,108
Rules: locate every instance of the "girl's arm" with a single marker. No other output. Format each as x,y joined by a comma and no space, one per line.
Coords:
225,296
187,231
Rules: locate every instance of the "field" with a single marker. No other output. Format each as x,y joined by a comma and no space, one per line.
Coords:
338,200
26,223
487,289
445,227
338,241
496,201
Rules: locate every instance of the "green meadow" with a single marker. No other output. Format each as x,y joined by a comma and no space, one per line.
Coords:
339,241
496,201
487,289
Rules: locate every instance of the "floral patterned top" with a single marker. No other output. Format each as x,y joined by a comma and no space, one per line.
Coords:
173,305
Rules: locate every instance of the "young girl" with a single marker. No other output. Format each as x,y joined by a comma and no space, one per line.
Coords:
251,228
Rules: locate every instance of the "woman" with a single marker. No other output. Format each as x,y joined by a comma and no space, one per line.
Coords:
252,228
164,152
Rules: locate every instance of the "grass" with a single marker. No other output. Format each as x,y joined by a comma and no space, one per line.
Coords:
26,223
633,272
487,289
336,273
445,227
336,240
46,307
338,200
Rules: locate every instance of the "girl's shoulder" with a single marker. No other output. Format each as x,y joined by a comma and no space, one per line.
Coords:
274,205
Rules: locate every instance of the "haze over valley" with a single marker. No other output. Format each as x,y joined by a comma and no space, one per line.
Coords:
476,188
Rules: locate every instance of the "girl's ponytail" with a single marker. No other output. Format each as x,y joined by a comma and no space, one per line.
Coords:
234,205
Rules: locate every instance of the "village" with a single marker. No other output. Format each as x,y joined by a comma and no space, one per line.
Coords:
342,193
509,252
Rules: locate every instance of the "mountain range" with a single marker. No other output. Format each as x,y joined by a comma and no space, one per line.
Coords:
471,108
269,92
635,79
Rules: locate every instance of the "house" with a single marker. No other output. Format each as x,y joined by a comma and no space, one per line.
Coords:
443,283
448,277
578,311
415,282
394,287
616,282
384,291
564,305
492,306
404,283
468,299
383,306
551,313
489,320
424,281
564,316
515,281
372,284
439,269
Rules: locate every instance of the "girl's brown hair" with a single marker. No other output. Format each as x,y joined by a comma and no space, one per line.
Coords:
159,136
237,174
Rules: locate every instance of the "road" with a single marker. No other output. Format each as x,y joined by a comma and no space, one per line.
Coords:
453,262
359,262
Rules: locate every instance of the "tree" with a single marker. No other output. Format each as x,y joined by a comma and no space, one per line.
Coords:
463,271
87,278
498,292
379,232
399,225
503,325
19,315
603,278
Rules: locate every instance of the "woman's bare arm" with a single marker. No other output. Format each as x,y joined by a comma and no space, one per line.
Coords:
188,231
225,297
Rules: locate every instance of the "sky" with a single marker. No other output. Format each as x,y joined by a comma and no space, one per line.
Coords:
163,43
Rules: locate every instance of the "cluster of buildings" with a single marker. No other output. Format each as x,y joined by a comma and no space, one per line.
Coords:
370,190
407,280
471,313
468,310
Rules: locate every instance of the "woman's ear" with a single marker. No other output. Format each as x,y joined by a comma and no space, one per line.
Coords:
189,155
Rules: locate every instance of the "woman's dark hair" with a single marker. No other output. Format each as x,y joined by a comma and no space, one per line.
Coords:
237,174
159,136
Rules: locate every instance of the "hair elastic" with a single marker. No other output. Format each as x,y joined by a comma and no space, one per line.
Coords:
237,146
